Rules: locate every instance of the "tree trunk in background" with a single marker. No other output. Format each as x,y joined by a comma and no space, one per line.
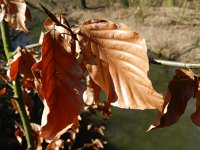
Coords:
81,4
134,3
159,3
170,3
125,3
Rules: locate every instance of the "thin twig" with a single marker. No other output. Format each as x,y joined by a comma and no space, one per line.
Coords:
177,64
33,45
56,21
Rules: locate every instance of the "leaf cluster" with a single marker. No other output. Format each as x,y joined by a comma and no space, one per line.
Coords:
77,63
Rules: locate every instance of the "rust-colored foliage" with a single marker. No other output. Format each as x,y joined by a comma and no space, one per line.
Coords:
58,76
28,101
15,13
50,25
196,116
117,62
22,63
91,95
116,59
181,89
3,91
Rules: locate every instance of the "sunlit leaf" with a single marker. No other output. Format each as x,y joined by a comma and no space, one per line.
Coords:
58,77
116,59
88,96
196,116
50,25
180,91
15,13
3,91
21,64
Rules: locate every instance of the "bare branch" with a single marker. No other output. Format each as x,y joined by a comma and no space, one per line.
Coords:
33,45
177,64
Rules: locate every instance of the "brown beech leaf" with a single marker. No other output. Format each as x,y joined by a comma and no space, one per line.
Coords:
28,83
36,69
22,63
56,24
88,96
91,95
15,13
116,59
96,90
74,126
180,90
195,117
58,78
50,25
3,91
28,101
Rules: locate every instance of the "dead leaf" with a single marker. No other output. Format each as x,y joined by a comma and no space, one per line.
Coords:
36,135
19,134
73,126
116,59
36,69
22,63
15,13
96,90
195,117
91,95
105,109
50,25
28,101
88,96
2,12
28,83
180,91
59,77
3,91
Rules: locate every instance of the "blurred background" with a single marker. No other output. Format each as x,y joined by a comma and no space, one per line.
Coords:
172,31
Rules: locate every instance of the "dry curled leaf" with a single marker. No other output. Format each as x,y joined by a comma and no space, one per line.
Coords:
50,25
58,77
15,13
116,59
180,90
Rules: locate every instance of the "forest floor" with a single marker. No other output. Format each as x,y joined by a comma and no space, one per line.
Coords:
172,33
